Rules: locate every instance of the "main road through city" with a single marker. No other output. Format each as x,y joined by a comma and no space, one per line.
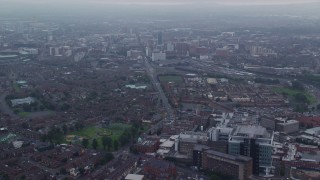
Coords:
155,82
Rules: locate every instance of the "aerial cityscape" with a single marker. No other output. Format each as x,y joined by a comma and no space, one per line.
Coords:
148,89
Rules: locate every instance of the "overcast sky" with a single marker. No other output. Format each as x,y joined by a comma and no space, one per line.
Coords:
164,2
150,7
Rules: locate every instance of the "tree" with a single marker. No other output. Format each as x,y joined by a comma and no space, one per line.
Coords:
95,143
26,108
79,125
134,131
65,107
300,97
85,142
41,107
297,85
25,125
34,104
65,129
106,158
300,108
106,141
66,94
136,124
63,171
23,176
93,95
55,135
81,171
159,132
124,138
214,177
133,150
50,106
115,145
282,170
16,111
4,176
64,160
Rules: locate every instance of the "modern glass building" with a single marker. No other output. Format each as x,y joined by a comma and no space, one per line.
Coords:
254,142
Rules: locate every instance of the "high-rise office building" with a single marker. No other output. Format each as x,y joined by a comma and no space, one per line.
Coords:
218,138
254,142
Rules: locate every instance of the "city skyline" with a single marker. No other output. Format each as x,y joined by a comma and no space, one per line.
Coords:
160,89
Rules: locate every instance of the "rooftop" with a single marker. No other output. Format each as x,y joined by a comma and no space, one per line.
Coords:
228,156
134,177
27,100
251,132
313,131
167,144
131,86
314,156
289,122
147,143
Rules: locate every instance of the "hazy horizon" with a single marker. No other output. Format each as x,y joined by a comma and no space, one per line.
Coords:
165,2
94,8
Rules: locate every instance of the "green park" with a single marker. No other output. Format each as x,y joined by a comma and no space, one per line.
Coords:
171,78
295,93
111,137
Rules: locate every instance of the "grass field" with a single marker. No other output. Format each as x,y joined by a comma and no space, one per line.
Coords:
292,92
24,114
171,78
114,131
34,114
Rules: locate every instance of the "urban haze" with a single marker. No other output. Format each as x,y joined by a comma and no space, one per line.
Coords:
160,89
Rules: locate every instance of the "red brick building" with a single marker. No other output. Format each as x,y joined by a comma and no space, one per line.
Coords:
148,146
159,169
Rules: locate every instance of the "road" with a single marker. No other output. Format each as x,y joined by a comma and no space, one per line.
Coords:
151,72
